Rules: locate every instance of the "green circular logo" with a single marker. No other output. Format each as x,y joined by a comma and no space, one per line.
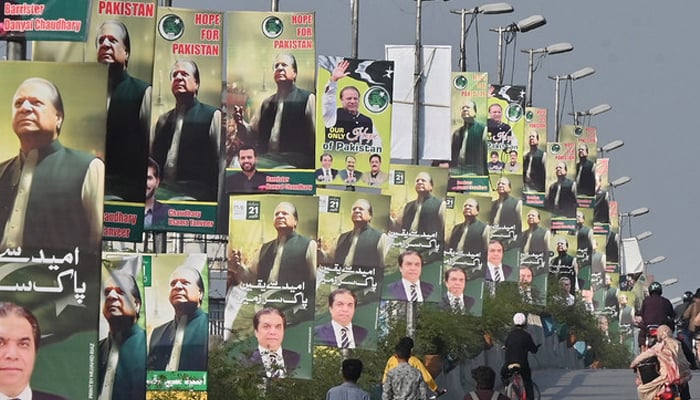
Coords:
171,27
272,27
460,82
555,148
514,112
578,131
529,116
376,99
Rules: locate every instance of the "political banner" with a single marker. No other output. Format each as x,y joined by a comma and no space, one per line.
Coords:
534,153
44,19
469,142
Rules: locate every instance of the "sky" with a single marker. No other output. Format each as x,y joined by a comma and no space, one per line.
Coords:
643,53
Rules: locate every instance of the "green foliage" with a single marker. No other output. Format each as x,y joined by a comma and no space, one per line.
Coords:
453,336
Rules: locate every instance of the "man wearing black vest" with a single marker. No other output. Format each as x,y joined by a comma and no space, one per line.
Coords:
472,235
585,174
561,196
187,141
363,246
358,128
469,142
284,123
535,239
51,194
506,209
128,115
290,258
426,214
533,164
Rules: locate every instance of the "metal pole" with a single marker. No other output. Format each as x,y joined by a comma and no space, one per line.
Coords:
17,49
275,6
355,7
417,83
410,317
530,73
463,43
556,107
500,31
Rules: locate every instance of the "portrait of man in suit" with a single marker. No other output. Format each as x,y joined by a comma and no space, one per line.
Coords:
350,175
410,287
497,271
122,354
181,344
455,300
20,337
340,331
269,325
375,176
326,173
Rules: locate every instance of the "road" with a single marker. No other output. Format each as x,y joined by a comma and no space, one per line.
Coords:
600,384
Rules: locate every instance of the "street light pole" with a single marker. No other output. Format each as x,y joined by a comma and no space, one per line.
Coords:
493,8
275,6
355,8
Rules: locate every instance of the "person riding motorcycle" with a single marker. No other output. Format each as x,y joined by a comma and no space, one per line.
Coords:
517,346
691,314
655,310
673,367
683,332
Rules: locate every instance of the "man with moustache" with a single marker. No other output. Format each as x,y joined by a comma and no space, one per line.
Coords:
564,264
534,164
469,142
122,354
181,344
128,113
249,180
375,176
51,194
350,175
187,141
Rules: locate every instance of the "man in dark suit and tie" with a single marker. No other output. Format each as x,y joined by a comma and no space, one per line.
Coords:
326,173
349,175
341,332
410,287
497,271
455,300
269,325
181,344
20,337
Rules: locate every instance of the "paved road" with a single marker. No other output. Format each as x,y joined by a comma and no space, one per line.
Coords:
599,384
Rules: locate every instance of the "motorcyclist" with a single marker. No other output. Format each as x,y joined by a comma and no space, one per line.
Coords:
655,310
682,330
517,346
691,313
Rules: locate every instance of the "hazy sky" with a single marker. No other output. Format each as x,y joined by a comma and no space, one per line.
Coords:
644,58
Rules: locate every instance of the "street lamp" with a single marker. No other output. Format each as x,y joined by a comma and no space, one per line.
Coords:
581,73
492,8
524,25
599,109
615,144
643,235
669,281
636,212
620,181
544,51
655,260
